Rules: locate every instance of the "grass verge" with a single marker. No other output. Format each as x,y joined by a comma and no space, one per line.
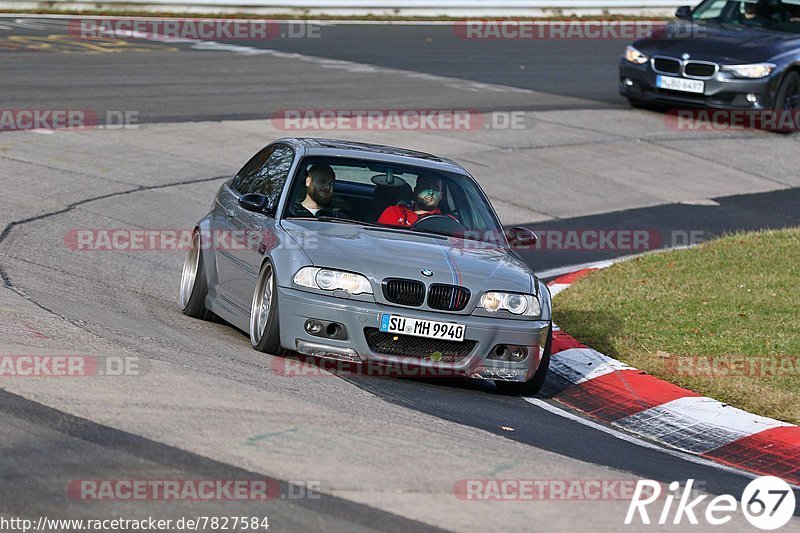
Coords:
722,319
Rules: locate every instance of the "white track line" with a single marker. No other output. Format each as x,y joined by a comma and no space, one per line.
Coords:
638,442
696,424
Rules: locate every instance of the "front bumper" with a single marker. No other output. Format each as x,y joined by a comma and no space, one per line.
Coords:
723,91
297,306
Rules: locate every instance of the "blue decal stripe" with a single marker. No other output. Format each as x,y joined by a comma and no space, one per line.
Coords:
455,274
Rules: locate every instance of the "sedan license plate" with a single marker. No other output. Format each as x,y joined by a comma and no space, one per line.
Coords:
680,84
422,328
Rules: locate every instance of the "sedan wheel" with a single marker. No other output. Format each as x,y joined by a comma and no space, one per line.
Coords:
788,97
264,324
193,283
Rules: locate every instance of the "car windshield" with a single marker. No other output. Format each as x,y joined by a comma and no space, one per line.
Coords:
410,198
779,15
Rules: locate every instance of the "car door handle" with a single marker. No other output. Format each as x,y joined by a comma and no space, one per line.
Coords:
230,212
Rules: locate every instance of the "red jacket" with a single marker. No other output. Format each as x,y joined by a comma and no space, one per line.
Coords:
397,215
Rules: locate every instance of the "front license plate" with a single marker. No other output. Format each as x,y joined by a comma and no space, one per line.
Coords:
680,84
422,328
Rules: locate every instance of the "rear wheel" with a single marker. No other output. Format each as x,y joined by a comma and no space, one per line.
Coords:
194,287
533,385
264,325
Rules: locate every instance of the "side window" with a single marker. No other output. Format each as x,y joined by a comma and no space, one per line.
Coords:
266,173
713,9
247,173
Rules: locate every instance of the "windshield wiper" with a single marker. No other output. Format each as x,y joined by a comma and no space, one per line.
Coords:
346,221
336,219
407,231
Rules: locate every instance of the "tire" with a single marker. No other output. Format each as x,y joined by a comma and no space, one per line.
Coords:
264,323
788,96
194,287
533,385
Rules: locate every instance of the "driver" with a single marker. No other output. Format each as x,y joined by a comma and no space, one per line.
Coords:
319,191
427,195
757,11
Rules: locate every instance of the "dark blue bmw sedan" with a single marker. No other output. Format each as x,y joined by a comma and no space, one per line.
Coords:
731,54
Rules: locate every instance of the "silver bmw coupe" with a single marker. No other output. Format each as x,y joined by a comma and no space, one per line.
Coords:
370,254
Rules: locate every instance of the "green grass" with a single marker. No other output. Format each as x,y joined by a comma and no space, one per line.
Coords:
730,301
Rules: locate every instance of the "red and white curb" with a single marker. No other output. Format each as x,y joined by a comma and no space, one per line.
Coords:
632,400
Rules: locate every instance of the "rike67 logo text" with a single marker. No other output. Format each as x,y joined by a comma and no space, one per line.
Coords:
767,502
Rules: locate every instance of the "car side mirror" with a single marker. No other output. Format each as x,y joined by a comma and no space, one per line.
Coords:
253,201
684,12
520,237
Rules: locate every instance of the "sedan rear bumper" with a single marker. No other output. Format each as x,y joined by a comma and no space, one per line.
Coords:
361,320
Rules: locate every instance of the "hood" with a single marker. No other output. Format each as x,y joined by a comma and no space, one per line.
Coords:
380,253
721,43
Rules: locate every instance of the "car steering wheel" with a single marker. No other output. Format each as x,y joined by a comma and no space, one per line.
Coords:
439,224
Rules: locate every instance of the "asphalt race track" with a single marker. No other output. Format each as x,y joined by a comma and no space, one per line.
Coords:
375,453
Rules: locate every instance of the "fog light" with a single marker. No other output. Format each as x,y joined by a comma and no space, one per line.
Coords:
333,330
518,353
501,352
628,82
752,98
313,327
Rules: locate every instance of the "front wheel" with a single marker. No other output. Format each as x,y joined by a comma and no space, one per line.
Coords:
264,325
533,385
788,97
787,100
194,287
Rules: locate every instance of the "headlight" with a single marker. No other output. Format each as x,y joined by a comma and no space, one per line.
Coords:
756,70
516,304
331,280
632,55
